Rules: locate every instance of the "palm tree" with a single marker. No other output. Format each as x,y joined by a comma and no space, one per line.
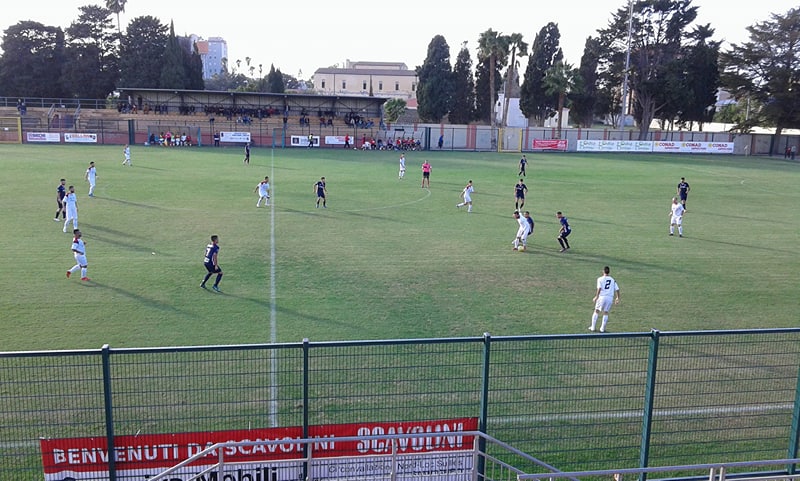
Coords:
117,6
494,46
517,47
560,79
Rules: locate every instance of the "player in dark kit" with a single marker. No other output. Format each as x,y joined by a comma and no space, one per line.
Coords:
211,263
564,232
319,188
61,191
683,191
519,194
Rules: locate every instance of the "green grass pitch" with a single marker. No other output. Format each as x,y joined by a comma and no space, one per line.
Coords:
387,259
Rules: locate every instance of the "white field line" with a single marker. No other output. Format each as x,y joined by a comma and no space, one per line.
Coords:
273,323
659,413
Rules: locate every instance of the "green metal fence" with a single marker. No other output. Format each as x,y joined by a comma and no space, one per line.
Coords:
573,401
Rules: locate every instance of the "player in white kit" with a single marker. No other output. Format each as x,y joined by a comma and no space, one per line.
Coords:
607,294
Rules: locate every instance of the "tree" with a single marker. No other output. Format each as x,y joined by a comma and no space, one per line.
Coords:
92,66
142,53
434,90
534,102
173,73
462,110
32,61
517,47
275,83
483,108
494,47
702,64
192,64
585,102
658,30
393,109
766,69
560,80
117,7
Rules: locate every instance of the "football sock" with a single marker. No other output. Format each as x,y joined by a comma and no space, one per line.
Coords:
605,321
671,229
469,209
594,320
680,230
75,268
208,276
219,278
83,272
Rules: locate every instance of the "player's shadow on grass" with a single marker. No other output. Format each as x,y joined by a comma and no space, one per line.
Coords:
161,306
141,167
734,244
134,204
97,228
114,242
580,256
294,314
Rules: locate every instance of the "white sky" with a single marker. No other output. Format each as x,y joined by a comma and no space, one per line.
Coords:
313,34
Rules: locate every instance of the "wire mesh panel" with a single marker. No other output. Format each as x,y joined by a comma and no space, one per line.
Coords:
722,398
570,401
46,396
394,381
212,389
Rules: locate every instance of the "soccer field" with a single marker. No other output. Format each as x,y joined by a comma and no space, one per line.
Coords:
387,259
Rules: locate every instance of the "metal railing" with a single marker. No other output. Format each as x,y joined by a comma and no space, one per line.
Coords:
475,464
716,472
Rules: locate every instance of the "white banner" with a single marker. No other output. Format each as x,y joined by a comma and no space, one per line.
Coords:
694,147
80,138
335,140
302,140
44,137
241,137
657,146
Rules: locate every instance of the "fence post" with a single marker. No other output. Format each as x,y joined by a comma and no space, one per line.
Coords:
109,411
795,436
484,410
305,404
649,394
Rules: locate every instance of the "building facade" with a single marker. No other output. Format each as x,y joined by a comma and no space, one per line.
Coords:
380,79
214,54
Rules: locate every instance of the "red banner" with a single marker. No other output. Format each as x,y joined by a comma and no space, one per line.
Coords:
153,451
560,144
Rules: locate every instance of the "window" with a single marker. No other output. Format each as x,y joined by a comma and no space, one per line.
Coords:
413,87
344,85
380,85
364,85
323,85
397,85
